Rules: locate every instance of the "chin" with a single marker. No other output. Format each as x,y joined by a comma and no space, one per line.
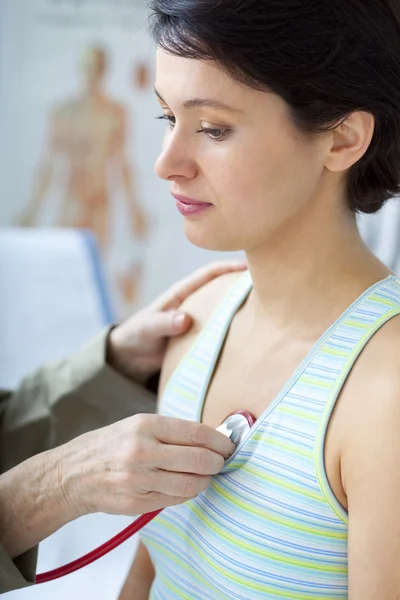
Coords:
206,238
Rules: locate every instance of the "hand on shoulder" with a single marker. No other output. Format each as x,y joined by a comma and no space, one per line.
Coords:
200,306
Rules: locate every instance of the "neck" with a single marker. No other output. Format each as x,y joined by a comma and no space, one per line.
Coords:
311,270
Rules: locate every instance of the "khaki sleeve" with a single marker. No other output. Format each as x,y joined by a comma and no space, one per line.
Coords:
60,402
54,405
17,573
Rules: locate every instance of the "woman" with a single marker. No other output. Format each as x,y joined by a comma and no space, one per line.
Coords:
284,121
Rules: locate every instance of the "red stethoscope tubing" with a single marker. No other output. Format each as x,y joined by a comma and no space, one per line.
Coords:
115,541
102,550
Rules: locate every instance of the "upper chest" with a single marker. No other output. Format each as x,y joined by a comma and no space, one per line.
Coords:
249,372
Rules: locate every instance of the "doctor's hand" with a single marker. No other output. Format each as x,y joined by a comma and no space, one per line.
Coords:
140,464
137,465
136,348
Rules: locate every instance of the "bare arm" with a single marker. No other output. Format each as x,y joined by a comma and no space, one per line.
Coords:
370,474
140,464
140,577
32,503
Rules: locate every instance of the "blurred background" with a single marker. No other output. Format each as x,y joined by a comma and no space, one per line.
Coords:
77,146
88,234
79,138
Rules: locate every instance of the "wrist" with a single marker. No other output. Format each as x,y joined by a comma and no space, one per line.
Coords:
32,505
74,477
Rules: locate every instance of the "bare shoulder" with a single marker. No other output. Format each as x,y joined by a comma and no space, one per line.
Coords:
378,367
200,306
202,302
369,408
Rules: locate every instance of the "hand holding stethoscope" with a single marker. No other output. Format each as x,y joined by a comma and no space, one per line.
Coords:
235,427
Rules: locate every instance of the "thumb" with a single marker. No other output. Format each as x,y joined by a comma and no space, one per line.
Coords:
169,323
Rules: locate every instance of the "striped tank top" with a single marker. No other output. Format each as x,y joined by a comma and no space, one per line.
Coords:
269,525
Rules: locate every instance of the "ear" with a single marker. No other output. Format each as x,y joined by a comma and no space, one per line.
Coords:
350,141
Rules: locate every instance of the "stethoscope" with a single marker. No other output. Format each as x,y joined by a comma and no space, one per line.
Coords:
235,427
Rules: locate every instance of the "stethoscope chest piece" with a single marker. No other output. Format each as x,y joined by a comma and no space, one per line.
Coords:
237,426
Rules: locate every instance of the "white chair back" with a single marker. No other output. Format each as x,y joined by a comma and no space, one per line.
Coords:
53,299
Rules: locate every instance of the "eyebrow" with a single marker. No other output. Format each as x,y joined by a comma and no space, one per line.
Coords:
207,102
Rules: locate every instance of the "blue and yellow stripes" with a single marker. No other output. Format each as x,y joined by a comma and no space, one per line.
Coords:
268,526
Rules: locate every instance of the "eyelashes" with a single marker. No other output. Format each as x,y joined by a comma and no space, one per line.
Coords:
170,120
215,134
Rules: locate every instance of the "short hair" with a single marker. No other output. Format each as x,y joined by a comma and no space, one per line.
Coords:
325,58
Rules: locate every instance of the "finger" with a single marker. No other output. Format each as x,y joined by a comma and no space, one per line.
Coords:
181,323
181,290
199,461
180,484
180,432
167,324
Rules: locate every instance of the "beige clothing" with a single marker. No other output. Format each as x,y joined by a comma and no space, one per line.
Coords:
52,406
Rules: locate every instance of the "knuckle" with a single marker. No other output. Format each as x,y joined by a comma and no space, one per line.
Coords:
190,487
141,454
130,485
141,422
123,482
199,435
200,461
136,451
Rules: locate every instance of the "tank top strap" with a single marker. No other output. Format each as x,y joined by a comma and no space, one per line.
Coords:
268,526
191,378
299,415
331,366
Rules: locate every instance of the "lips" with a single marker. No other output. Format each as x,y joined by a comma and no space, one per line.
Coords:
189,207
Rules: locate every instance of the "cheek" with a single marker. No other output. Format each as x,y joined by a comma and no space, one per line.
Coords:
256,186
257,178
268,182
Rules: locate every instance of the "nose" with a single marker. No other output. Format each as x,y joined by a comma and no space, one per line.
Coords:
175,161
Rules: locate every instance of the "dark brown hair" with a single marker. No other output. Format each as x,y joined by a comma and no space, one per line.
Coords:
325,58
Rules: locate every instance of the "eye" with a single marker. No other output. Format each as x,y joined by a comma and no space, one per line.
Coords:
218,135
169,118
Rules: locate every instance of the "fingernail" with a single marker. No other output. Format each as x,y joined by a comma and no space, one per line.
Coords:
179,319
233,448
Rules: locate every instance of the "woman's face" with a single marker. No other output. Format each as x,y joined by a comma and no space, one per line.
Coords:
234,150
